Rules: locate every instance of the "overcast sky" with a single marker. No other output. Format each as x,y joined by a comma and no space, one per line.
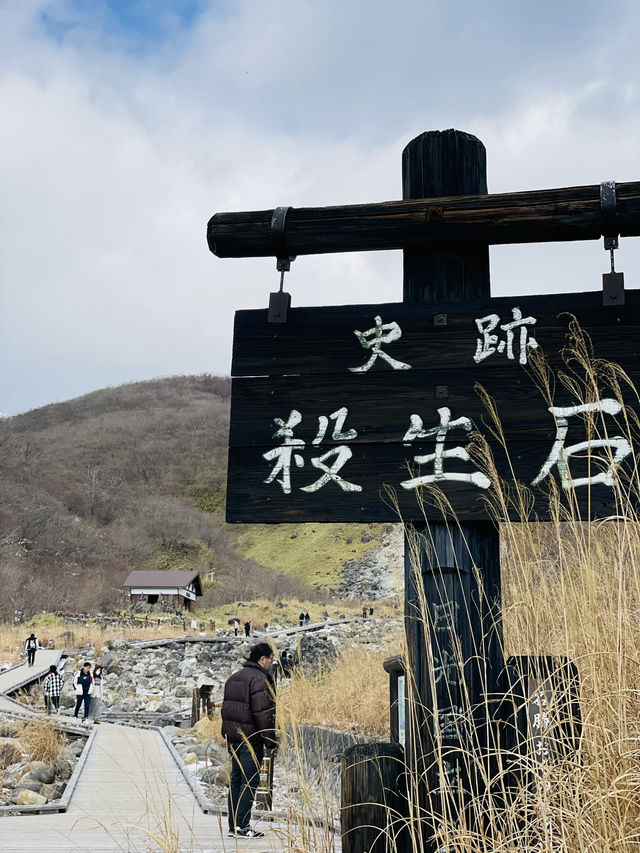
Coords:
128,123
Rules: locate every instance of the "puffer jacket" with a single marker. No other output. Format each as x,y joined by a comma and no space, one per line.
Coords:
249,706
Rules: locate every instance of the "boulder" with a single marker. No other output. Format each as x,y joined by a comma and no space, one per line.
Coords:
213,751
63,769
218,774
75,747
190,667
30,783
27,797
41,772
106,659
54,791
190,758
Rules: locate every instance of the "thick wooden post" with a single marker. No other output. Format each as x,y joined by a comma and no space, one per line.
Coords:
373,813
452,570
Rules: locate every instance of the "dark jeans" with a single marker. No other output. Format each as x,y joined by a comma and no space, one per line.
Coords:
51,702
87,702
245,775
31,656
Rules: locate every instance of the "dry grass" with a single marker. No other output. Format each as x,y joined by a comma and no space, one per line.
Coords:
573,590
77,635
570,589
41,741
352,694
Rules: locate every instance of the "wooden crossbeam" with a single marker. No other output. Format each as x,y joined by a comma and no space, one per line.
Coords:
561,214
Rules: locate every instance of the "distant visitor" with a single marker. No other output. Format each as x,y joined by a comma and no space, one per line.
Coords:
52,686
31,647
83,683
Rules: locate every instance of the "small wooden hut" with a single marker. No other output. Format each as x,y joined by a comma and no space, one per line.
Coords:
174,590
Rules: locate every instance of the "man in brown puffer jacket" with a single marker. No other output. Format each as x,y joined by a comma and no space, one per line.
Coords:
248,724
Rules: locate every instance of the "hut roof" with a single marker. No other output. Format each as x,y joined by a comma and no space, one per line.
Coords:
139,578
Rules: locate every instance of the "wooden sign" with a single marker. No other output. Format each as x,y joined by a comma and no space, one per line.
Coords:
360,412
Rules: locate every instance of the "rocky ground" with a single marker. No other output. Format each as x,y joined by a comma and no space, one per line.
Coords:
145,679
379,574
27,782
161,679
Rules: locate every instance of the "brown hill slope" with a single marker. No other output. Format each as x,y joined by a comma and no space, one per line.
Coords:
124,477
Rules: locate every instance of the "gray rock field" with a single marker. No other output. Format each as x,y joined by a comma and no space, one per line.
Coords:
161,679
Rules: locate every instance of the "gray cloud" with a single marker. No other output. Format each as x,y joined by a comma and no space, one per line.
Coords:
113,161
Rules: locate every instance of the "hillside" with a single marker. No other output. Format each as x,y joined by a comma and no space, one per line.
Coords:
133,477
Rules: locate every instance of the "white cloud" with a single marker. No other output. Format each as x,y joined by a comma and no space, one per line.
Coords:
112,163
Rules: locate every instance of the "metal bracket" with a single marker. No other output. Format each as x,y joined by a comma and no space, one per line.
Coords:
280,301
278,226
609,215
612,282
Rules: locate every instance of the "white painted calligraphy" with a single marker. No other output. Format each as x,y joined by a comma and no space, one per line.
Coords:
560,454
373,339
339,417
448,724
285,455
416,431
444,615
489,343
445,667
450,774
282,456
342,455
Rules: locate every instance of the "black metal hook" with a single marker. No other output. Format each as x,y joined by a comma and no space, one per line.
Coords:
612,282
280,301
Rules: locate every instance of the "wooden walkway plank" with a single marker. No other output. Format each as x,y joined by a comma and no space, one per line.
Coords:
131,798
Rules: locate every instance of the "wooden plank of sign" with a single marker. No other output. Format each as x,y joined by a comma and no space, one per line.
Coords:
322,340
380,405
568,213
379,468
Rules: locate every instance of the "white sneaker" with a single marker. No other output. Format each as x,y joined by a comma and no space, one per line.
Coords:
247,832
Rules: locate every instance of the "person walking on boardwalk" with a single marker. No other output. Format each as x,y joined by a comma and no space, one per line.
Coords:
31,647
247,629
96,696
248,724
301,618
83,683
307,619
52,686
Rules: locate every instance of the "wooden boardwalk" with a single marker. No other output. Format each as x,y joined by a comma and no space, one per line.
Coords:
131,798
22,675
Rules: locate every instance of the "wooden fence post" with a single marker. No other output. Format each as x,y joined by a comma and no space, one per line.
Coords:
373,813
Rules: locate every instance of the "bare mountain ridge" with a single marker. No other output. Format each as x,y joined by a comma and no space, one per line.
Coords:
127,477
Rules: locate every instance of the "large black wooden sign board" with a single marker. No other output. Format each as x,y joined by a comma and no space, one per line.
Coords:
339,405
